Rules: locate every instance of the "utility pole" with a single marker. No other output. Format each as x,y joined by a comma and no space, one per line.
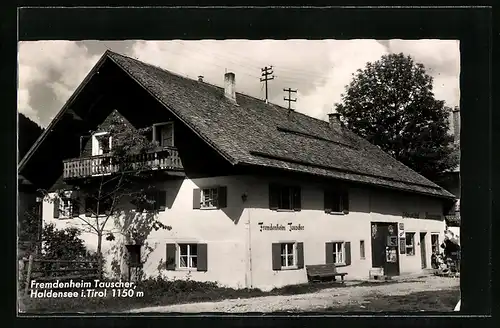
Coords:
289,99
266,71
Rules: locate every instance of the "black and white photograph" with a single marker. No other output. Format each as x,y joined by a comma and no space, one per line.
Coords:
238,176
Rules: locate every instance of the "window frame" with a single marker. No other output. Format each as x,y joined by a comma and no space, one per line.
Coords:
66,204
339,195
336,251
95,152
160,126
291,197
215,201
412,246
103,213
437,246
285,254
362,249
154,195
188,257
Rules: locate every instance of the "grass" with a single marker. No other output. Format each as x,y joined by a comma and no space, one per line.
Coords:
159,293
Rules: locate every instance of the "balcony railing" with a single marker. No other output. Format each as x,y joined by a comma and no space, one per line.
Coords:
82,167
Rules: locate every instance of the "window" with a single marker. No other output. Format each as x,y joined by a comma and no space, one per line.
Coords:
101,143
209,198
435,243
338,253
284,198
155,200
163,133
94,207
288,255
65,206
188,256
362,249
410,243
336,201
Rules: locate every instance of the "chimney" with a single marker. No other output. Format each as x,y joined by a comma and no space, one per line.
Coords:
456,123
229,86
200,78
334,120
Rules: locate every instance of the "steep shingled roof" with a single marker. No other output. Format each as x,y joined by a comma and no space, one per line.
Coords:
256,133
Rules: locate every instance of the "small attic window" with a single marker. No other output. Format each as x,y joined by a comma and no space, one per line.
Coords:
101,143
163,133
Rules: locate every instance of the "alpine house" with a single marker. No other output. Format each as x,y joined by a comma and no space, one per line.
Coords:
254,192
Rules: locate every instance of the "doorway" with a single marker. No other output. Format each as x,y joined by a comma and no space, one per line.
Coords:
385,253
423,254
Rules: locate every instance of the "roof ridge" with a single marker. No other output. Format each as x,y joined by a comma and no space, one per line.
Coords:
213,85
351,134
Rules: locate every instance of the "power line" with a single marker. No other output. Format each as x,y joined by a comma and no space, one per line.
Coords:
266,71
292,71
289,99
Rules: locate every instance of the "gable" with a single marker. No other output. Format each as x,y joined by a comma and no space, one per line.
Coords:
250,132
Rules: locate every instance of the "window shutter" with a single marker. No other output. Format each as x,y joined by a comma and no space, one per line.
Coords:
161,200
88,205
297,199
196,198
300,255
347,247
170,259
345,201
81,205
273,197
328,253
328,198
222,197
107,204
202,264
276,256
56,207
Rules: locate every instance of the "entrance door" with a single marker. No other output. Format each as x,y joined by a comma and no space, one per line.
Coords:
385,247
423,255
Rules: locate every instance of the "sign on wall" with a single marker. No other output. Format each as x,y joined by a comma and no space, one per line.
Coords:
402,245
401,230
411,215
280,227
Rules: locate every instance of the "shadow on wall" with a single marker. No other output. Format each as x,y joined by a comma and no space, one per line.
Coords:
254,192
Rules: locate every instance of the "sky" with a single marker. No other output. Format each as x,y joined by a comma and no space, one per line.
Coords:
50,71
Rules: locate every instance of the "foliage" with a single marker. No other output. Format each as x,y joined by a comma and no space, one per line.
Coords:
29,132
116,196
62,244
161,291
391,104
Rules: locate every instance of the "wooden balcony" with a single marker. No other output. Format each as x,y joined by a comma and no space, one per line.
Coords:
83,167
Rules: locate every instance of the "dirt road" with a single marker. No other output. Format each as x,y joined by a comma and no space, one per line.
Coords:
314,301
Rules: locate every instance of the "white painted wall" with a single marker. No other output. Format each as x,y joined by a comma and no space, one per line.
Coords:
239,254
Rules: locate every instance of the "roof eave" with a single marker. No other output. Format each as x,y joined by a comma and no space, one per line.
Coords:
445,195
61,112
226,156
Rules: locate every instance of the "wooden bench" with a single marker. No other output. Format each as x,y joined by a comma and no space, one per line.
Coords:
321,272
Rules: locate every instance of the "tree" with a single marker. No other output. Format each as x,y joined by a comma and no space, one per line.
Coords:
29,132
119,199
391,104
